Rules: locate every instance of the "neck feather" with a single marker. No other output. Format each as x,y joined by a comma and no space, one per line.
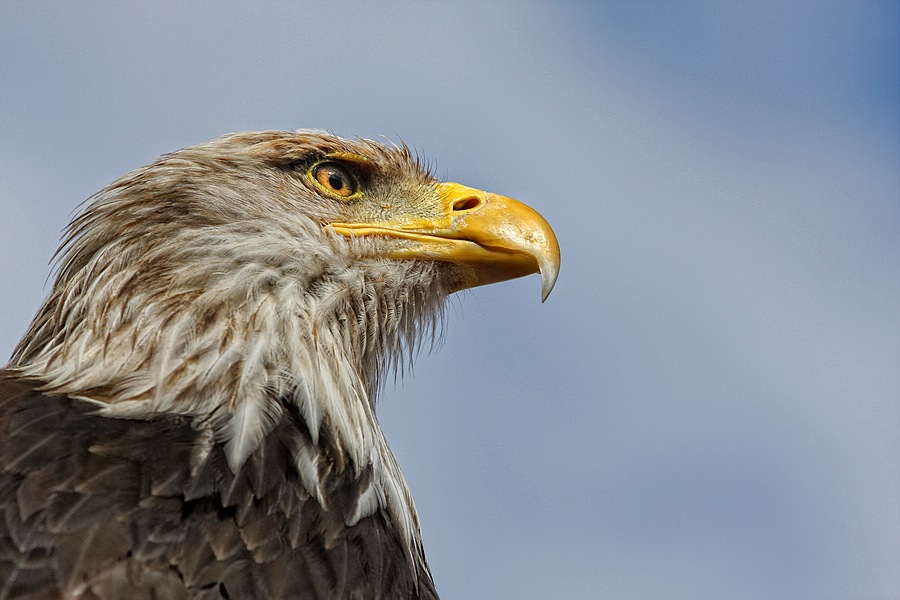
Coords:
235,331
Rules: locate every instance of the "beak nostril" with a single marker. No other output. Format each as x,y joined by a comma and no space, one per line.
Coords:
467,203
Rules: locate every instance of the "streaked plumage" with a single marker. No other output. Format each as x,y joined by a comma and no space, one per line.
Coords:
192,412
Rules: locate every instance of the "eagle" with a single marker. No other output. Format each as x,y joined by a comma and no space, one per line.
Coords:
191,413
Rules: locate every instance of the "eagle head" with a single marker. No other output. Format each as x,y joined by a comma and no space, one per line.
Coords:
272,273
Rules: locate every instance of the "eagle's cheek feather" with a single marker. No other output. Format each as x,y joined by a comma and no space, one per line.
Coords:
191,414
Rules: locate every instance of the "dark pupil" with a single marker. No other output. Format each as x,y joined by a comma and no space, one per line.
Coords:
336,181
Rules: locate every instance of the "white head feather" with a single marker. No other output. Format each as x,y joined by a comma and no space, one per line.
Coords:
205,285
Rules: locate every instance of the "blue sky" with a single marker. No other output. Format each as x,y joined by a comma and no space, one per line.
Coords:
708,405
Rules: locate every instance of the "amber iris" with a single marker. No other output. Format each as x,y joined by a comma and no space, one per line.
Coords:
335,178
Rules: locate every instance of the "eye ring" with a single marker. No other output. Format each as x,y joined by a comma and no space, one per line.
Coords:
335,179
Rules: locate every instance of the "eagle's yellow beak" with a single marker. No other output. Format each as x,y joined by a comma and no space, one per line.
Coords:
495,237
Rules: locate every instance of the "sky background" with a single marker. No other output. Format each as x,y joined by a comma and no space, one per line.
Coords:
708,405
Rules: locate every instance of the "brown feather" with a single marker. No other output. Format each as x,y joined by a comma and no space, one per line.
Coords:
98,527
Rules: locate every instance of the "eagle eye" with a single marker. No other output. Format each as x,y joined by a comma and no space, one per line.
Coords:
335,178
